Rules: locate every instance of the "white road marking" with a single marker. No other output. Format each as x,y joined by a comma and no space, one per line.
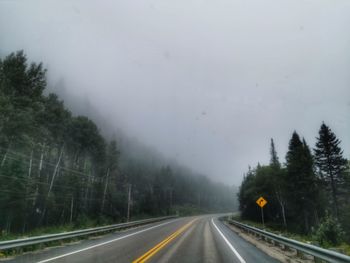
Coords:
228,243
104,243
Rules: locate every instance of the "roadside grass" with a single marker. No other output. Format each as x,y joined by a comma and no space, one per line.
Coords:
276,229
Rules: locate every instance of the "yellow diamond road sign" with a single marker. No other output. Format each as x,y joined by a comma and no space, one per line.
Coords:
261,202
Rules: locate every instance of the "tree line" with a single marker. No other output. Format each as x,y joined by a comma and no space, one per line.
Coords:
310,187
57,168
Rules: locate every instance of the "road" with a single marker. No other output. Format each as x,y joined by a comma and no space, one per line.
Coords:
189,239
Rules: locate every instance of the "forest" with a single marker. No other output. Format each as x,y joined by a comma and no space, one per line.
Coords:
308,194
57,168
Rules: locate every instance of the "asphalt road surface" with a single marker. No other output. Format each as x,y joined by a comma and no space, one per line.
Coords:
189,239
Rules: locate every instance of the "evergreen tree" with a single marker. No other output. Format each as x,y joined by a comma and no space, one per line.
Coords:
247,195
274,162
302,184
330,163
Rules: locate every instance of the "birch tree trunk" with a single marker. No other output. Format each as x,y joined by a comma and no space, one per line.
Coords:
71,210
41,159
4,158
105,191
30,164
55,171
282,204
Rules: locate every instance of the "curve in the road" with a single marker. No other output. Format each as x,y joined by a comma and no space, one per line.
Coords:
189,239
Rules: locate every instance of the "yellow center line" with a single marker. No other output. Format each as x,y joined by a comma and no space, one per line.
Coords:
150,253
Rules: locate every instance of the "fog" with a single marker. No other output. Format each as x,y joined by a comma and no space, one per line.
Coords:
207,83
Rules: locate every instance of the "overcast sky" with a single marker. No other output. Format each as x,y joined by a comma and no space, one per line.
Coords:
206,82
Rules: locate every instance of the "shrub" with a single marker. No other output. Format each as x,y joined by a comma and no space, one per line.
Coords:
329,232
83,222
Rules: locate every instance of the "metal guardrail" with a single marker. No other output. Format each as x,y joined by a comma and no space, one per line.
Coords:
318,253
15,243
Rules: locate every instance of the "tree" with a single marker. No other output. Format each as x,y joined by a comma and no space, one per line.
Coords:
278,178
274,162
330,163
19,80
111,179
302,183
21,88
249,191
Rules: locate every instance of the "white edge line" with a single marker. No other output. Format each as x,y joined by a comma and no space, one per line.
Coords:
228,243
104,243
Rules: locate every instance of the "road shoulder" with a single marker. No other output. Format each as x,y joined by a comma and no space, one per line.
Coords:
278,253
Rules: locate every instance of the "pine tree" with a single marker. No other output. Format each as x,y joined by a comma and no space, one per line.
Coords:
301,186
330,163
274,162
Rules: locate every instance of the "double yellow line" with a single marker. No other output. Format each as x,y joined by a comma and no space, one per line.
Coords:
150,253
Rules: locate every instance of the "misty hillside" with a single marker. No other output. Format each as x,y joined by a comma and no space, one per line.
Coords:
58,167
131,147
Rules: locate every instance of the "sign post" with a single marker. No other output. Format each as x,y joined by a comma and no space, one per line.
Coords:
262,202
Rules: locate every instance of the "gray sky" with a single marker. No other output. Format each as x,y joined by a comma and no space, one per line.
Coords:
205,82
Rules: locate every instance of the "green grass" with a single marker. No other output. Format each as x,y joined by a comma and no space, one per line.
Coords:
344,248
